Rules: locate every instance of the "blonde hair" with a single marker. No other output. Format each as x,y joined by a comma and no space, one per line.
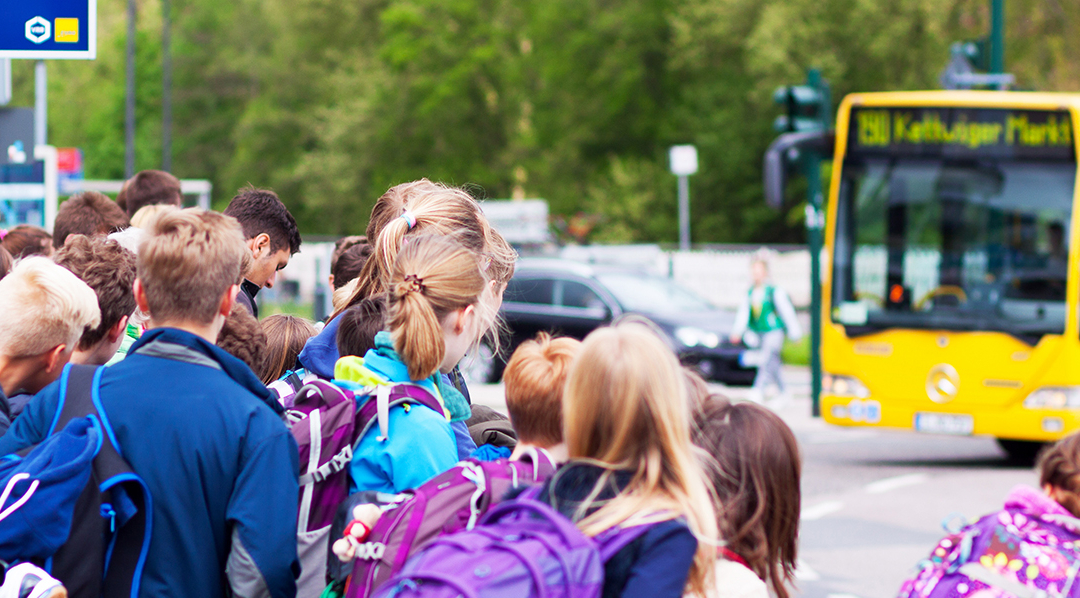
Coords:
43,305
625,407
187,261
435,209
534,380
147,214
432,276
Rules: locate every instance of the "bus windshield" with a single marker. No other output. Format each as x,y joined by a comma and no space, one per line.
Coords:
948,240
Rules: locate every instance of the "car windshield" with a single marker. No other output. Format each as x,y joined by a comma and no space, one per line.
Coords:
645,293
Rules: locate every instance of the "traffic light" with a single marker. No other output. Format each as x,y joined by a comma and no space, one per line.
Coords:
807,107
977,52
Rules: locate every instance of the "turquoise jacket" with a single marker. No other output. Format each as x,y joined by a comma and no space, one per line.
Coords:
421,443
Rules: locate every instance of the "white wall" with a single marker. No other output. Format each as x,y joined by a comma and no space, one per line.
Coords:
720,274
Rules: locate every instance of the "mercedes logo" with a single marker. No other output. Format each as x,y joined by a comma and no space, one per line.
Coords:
942,383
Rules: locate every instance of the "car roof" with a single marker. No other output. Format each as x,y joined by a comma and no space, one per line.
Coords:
532,265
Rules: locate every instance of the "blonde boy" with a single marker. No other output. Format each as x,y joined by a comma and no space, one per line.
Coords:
43,311
534,379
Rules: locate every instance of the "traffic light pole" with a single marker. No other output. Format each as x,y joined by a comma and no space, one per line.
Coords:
815,219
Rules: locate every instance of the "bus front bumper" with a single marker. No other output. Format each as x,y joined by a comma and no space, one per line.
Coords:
1016,422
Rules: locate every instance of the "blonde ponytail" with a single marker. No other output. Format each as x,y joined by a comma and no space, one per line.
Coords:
412,209
431,277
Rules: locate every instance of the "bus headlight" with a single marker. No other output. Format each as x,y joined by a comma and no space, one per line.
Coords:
690,336
1054,397
844,386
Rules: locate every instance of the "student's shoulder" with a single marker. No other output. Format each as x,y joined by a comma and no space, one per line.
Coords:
735,580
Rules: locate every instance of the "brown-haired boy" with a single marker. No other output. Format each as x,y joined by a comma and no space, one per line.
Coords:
89,213
196,424
109,269
534,379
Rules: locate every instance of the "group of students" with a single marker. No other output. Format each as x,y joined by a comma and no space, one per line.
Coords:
200,395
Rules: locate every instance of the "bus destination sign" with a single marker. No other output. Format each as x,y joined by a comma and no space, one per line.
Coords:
962,132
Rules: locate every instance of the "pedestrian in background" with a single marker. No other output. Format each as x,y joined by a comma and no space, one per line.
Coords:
764,319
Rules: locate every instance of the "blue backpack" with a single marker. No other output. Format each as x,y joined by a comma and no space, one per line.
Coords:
521,547
87,510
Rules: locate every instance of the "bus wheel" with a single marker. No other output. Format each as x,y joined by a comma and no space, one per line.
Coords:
1020,451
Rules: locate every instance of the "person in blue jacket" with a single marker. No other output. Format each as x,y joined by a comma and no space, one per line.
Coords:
196,425
627,432
435,288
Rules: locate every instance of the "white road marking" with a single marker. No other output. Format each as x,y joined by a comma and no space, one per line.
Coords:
893,483
820,510
803,572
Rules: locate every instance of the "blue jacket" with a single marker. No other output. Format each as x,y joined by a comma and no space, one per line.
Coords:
320,354
421,443
197,425
654,565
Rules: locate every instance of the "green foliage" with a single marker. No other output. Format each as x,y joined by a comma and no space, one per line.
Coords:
575,101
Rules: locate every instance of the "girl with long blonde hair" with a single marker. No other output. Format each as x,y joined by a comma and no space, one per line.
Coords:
627,431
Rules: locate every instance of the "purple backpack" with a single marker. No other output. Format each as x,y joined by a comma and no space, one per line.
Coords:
450,502
521,548
326,424
1030,548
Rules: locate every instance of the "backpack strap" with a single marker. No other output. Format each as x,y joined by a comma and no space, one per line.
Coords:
116,493
376,410
542,462
615,539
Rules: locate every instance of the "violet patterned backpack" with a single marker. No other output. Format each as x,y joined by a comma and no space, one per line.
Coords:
1030,549
326,424
521,548
450,502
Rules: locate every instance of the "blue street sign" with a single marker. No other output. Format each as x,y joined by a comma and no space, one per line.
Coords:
48,29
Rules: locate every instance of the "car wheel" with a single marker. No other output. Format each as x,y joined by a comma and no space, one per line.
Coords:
480,366
1020,451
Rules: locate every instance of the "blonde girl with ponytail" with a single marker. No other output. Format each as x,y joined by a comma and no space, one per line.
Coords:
434,289
627,431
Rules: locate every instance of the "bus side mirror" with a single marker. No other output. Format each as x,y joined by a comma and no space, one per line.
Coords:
783,152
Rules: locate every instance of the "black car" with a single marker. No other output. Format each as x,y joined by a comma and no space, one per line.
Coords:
573,299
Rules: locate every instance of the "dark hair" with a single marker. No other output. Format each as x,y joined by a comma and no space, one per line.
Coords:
5,261
26,240
756,477
149,187
107,268
285,338
1059,466
350,262
359,325
89,213
261,211
243,338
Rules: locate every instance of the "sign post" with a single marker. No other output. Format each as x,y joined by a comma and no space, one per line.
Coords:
684,163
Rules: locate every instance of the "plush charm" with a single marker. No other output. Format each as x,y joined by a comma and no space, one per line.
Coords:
364,518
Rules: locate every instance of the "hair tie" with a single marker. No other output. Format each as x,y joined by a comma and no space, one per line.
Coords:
3,233
409,217
415,284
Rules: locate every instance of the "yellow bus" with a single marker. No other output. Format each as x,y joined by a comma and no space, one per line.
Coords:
953,243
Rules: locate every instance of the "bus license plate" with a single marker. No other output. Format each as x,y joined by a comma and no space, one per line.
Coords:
944,423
